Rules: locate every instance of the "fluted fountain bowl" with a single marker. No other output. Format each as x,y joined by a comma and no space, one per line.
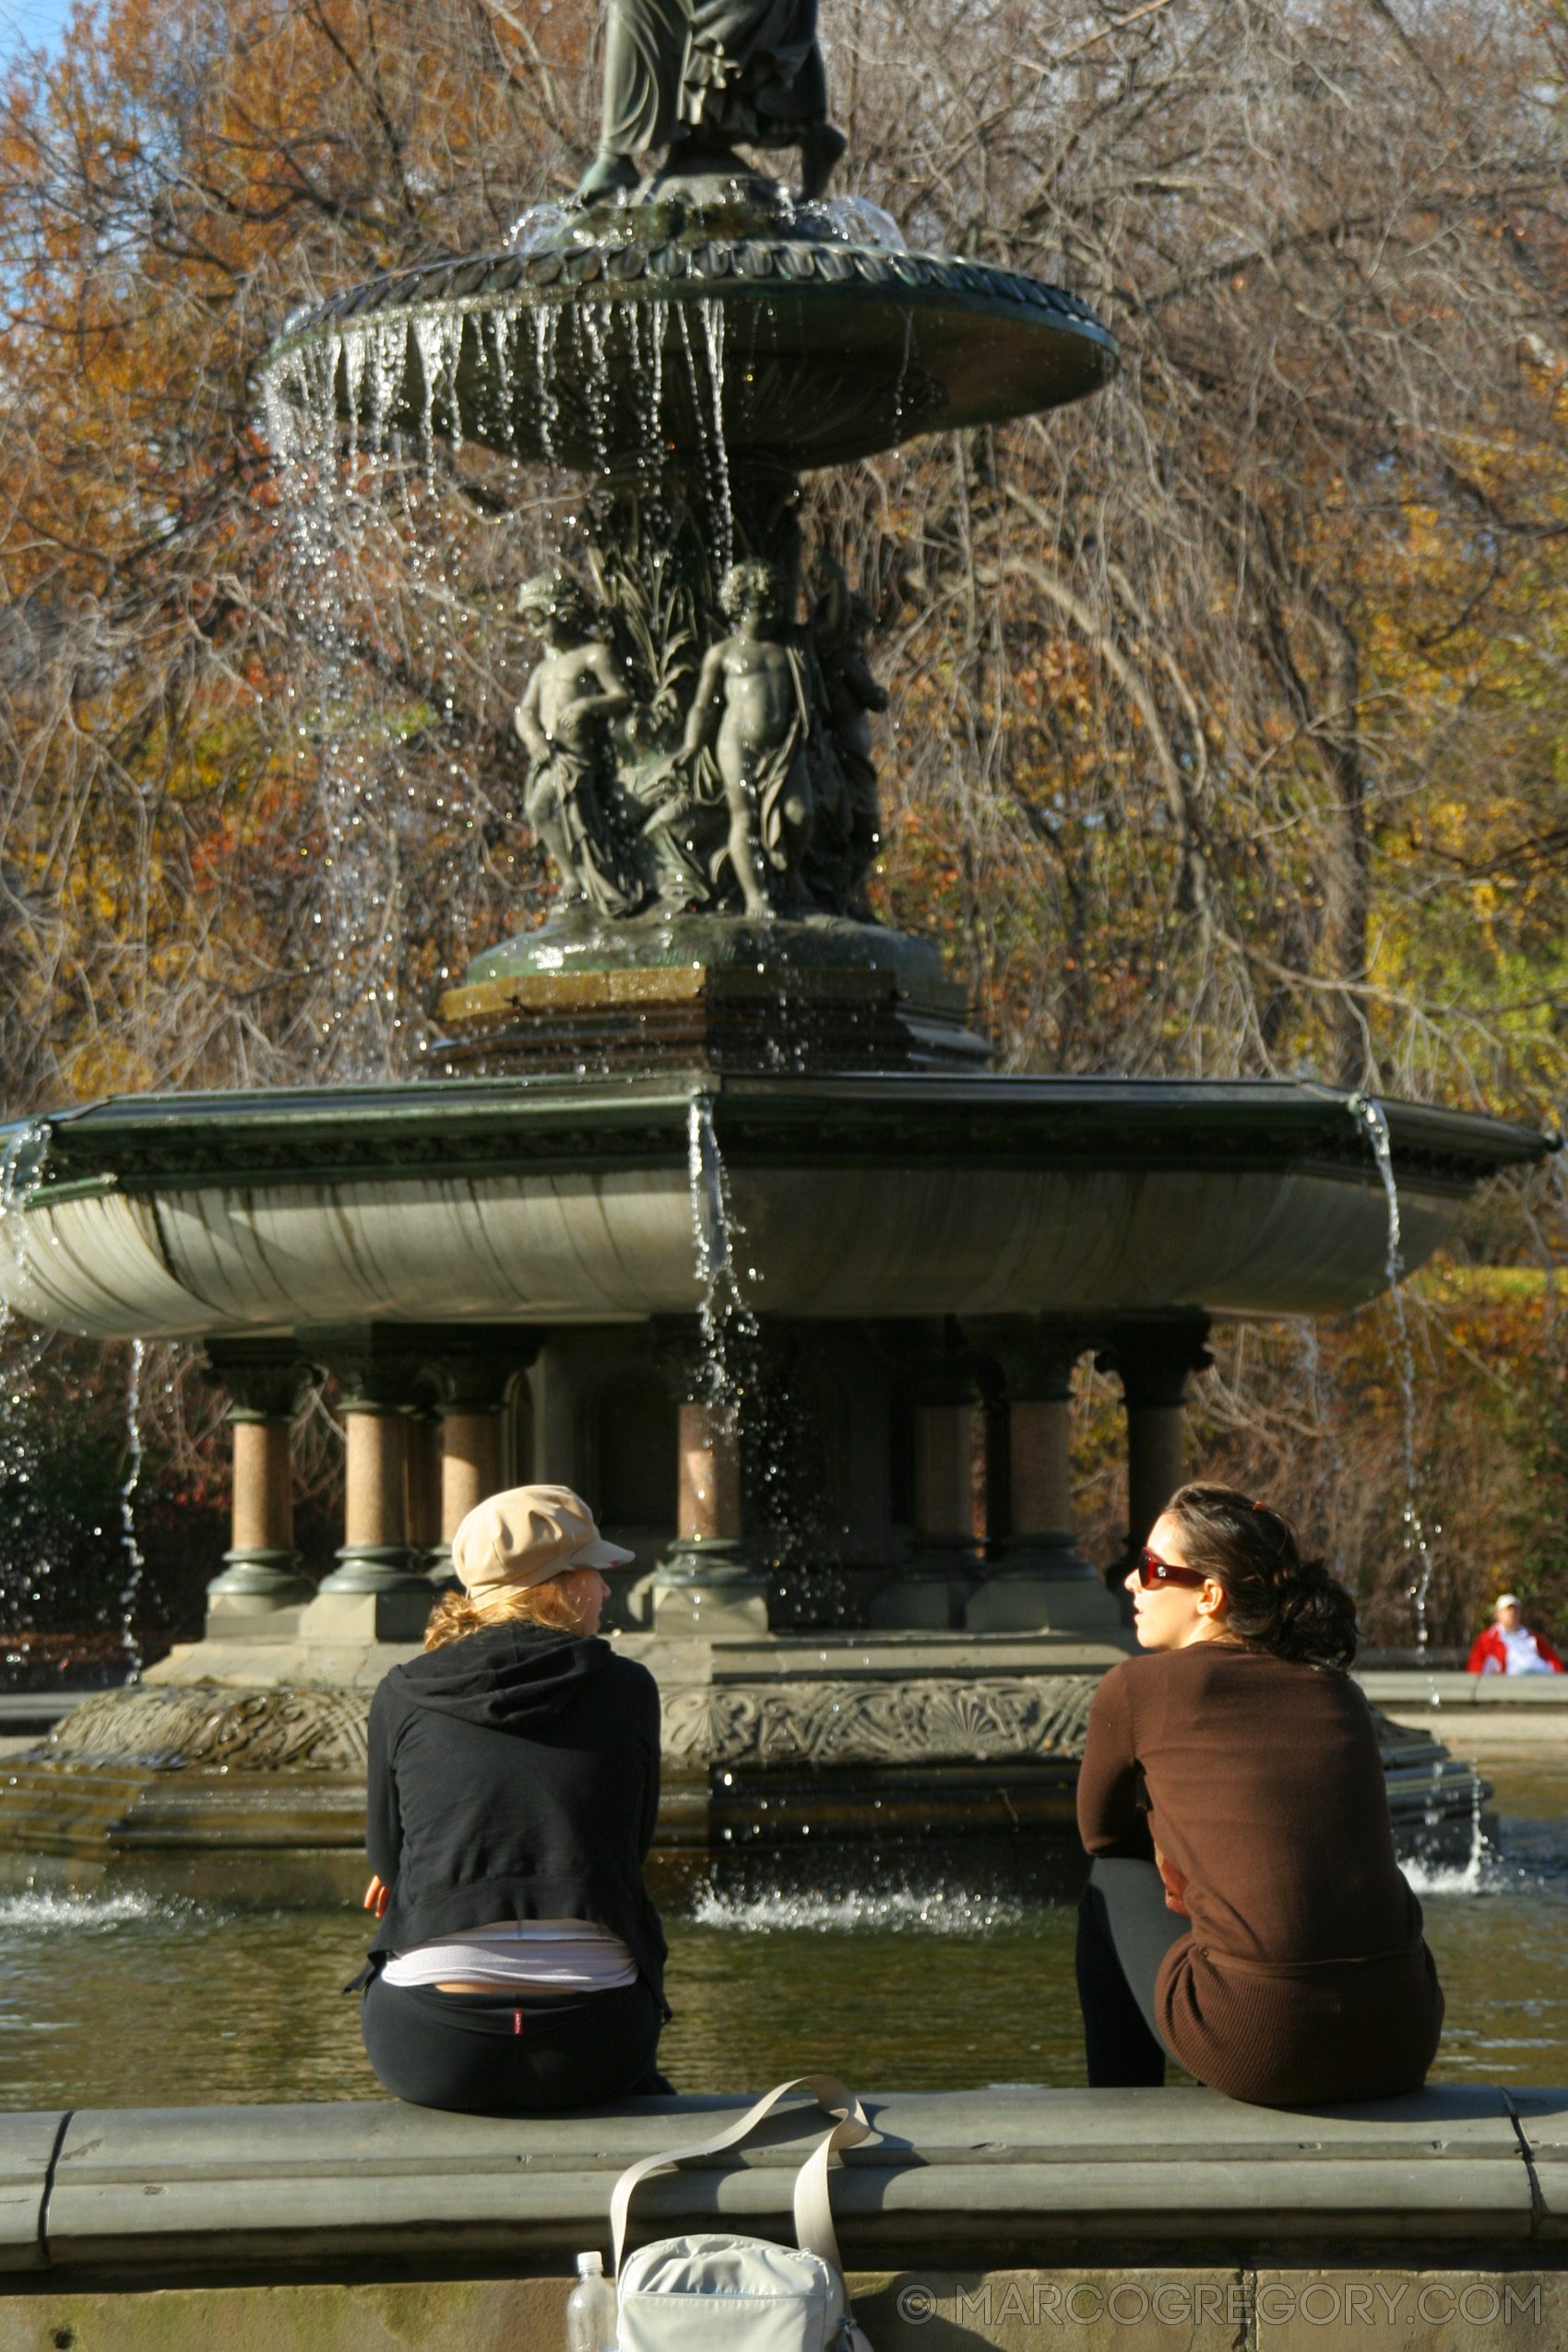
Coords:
721,321
566,1199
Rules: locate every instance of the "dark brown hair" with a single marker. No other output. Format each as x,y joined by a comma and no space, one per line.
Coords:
1279,1602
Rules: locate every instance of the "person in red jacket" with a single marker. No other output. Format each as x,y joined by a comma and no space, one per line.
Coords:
1509,1646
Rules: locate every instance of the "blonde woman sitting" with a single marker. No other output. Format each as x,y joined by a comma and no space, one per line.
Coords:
517,1967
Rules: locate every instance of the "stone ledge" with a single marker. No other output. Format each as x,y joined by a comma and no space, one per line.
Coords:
957,2176
1406,1690
260,1661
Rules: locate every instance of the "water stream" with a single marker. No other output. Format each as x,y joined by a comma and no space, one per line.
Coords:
134,1562
727,1327
24,1568
331,500
1371,1116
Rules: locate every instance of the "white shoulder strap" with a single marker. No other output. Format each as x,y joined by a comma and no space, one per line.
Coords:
813,2205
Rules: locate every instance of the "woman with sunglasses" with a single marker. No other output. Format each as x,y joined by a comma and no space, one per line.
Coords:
1244,1913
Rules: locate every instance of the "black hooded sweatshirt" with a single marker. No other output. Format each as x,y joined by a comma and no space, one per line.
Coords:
513,1775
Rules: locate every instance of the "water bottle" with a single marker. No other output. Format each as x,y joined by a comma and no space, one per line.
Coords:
590,2308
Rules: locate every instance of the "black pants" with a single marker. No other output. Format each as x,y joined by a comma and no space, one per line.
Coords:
1124,1932
499,2053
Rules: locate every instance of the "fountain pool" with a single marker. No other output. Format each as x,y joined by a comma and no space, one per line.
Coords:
115,1992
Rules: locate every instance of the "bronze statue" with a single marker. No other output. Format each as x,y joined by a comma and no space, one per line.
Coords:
572,690
752,713
692,75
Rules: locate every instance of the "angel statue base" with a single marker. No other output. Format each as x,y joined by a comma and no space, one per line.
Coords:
694,75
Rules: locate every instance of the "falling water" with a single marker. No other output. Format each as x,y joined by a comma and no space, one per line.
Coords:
593,326
501,326
705,397
713,334
806,1547
727,1326
903,376
134,1562
535,226
21,1354
327,521
438,338
645,323
1370,1116
854,220
544,325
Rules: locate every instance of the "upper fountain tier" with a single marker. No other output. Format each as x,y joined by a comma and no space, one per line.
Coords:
711,317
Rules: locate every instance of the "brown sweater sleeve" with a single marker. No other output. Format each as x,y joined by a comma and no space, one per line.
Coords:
1111,1820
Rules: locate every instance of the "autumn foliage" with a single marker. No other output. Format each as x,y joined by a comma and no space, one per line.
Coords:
1230,708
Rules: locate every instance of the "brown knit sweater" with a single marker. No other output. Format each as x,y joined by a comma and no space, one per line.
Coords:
1304,1977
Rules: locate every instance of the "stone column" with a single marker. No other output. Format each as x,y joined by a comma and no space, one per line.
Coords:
260,1590
377,1591
470,1464
471,1372
1153,1359
1036,1582
708,1497
707,1583
421,1483
932,1588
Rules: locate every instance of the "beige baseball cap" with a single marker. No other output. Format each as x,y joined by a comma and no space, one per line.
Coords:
526,1536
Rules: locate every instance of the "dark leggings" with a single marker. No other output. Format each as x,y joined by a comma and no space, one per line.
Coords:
500,2053
1124,1932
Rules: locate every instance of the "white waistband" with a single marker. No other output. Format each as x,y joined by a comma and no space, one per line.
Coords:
549,1956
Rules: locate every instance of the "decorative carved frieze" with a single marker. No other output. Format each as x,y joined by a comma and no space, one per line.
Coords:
252,1730
933,1719
930,1721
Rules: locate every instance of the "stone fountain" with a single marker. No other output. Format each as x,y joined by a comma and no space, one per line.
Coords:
711,1206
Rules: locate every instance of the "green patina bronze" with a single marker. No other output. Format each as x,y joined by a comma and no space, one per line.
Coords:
594,353
695,745
473,1128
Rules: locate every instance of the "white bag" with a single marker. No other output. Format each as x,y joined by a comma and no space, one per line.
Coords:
744,2294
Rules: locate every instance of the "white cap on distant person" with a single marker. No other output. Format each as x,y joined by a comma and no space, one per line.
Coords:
1504,1601
526,1537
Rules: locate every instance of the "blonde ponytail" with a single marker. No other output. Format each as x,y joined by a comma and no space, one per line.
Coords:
456,1616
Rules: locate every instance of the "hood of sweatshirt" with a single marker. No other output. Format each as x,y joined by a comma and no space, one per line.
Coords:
511,1678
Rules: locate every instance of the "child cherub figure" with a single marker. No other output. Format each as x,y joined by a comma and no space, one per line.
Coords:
558,721
752,707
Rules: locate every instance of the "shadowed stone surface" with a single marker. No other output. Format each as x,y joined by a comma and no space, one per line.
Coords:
958,2177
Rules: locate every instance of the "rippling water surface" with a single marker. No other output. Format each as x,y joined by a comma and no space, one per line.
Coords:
120,1997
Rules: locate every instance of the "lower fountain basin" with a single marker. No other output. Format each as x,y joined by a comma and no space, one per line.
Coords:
564,1200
